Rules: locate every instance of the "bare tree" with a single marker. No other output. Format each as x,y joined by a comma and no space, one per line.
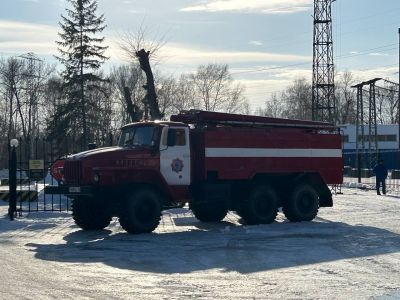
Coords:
185,95
297,99
22,84
237,102
53,96
166,89
387,103
293,103
11,77
272,108
392,105
216,89
100,112
346,99
127,81
136,47
36,76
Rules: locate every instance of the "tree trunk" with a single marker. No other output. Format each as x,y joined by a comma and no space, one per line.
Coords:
133,110
151,96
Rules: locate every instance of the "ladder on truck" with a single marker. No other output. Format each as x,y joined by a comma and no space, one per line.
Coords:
201,117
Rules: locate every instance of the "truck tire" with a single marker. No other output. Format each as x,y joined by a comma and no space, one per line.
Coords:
141,212
302,205
261,207
209,211
90,214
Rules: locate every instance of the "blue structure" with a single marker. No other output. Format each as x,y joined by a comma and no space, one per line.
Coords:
388,145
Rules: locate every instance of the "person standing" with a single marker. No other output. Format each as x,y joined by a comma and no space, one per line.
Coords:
381,173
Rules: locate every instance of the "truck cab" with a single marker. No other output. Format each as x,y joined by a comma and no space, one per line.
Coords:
146,152
167,142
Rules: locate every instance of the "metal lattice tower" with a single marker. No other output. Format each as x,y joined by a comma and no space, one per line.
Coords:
323,88
366,158
373,149
360,135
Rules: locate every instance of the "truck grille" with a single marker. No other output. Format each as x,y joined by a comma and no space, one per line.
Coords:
73,172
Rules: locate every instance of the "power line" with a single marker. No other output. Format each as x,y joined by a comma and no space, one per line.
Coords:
269,92
349,21
270,68
345,33
362,53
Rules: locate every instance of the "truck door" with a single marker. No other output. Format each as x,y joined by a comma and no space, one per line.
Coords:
175,155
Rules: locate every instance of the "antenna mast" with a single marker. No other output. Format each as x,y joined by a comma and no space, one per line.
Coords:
323,87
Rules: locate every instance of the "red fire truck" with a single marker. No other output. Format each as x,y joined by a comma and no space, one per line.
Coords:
216,162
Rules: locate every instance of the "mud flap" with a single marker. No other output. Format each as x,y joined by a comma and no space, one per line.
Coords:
325,195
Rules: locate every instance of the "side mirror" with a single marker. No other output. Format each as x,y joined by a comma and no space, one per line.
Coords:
92,146
171,138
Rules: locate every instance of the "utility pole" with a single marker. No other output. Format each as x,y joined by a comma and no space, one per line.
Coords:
323,86
398,105
359,130
373,150
12,175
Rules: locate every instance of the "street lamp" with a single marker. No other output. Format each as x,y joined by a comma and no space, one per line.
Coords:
14,143
12,175
398,102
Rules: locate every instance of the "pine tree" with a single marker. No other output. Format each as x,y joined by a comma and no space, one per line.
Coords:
82,54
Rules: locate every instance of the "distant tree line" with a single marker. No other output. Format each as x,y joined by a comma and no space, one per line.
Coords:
295,102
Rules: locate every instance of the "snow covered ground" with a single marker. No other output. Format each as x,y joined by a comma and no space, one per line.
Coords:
351,251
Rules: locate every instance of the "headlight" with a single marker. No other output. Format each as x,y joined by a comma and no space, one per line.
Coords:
96,177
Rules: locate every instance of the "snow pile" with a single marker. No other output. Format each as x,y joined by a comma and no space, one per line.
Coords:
357,185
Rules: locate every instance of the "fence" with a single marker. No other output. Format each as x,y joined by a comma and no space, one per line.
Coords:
34,159
392,184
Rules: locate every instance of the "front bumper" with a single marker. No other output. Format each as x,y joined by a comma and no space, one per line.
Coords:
69,190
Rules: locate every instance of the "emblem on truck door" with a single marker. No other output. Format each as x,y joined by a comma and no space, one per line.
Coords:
177,165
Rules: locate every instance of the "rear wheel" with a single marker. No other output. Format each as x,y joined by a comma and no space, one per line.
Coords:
90,214
261,207
209,211
141,212
302,205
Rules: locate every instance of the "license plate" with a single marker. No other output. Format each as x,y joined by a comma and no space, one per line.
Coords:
74,189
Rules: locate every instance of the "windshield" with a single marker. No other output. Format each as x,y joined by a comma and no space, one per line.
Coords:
137,137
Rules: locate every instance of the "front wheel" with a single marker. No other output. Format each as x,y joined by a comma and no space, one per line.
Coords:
90,214
141,212
302,205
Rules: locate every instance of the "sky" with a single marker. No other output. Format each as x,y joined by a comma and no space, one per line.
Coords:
266,43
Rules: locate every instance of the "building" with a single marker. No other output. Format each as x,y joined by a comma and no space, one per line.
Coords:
388,145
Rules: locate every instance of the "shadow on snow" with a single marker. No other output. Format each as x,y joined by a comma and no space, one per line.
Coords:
226,246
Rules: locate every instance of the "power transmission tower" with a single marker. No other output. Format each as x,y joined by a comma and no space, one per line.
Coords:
32,76
323,88
360,136
373,149
372,155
